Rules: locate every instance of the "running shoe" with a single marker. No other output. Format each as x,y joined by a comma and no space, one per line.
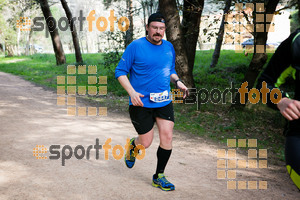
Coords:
130,162
162,183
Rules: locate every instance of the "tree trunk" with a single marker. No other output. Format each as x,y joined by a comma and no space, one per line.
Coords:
192,11
1,47
98,44
73,31
80,40
219,41
18,42
151,6
87,43
148,8
57,46
184,38
144,15
175,36
298,3
258,59
27,52
129,32
9,49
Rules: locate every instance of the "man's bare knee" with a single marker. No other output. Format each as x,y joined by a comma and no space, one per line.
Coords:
146,139
166,138
146,143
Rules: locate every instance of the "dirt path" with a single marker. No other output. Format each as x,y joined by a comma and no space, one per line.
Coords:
29,116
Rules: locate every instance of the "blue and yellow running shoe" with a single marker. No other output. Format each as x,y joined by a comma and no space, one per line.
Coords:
162,183
130,162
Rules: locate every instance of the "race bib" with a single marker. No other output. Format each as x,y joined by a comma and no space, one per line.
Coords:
159,97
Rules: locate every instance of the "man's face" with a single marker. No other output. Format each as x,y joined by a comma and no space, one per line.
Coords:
156,31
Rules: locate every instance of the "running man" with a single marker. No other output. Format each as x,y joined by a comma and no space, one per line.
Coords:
150,61
288,53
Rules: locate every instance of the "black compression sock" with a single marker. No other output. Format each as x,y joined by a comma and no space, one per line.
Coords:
163,156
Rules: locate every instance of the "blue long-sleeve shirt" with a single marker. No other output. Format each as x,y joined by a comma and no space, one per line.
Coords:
149,67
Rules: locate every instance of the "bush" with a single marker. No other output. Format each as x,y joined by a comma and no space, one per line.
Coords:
295,22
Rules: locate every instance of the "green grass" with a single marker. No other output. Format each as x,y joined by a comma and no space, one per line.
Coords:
218,123
212,121
41,69
230,68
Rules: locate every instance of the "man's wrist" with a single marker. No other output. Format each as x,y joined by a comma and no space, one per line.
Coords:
131,92
176,82
281,101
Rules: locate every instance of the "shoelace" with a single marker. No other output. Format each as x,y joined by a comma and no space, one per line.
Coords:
164,180
132,155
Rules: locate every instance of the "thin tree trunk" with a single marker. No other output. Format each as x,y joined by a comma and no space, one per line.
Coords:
144,14
73,31
129,32
87,43
1,47
151,6
98,44
219,41
80,40
19,31
56,42
298,9
148,8
199,42
28,41
258,59
18,42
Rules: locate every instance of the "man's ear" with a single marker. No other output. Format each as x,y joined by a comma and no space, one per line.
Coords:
147,27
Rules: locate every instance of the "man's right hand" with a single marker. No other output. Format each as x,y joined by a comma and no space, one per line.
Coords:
289,108
135,99
134,96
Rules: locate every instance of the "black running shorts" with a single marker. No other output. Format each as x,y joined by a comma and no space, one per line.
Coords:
143,118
